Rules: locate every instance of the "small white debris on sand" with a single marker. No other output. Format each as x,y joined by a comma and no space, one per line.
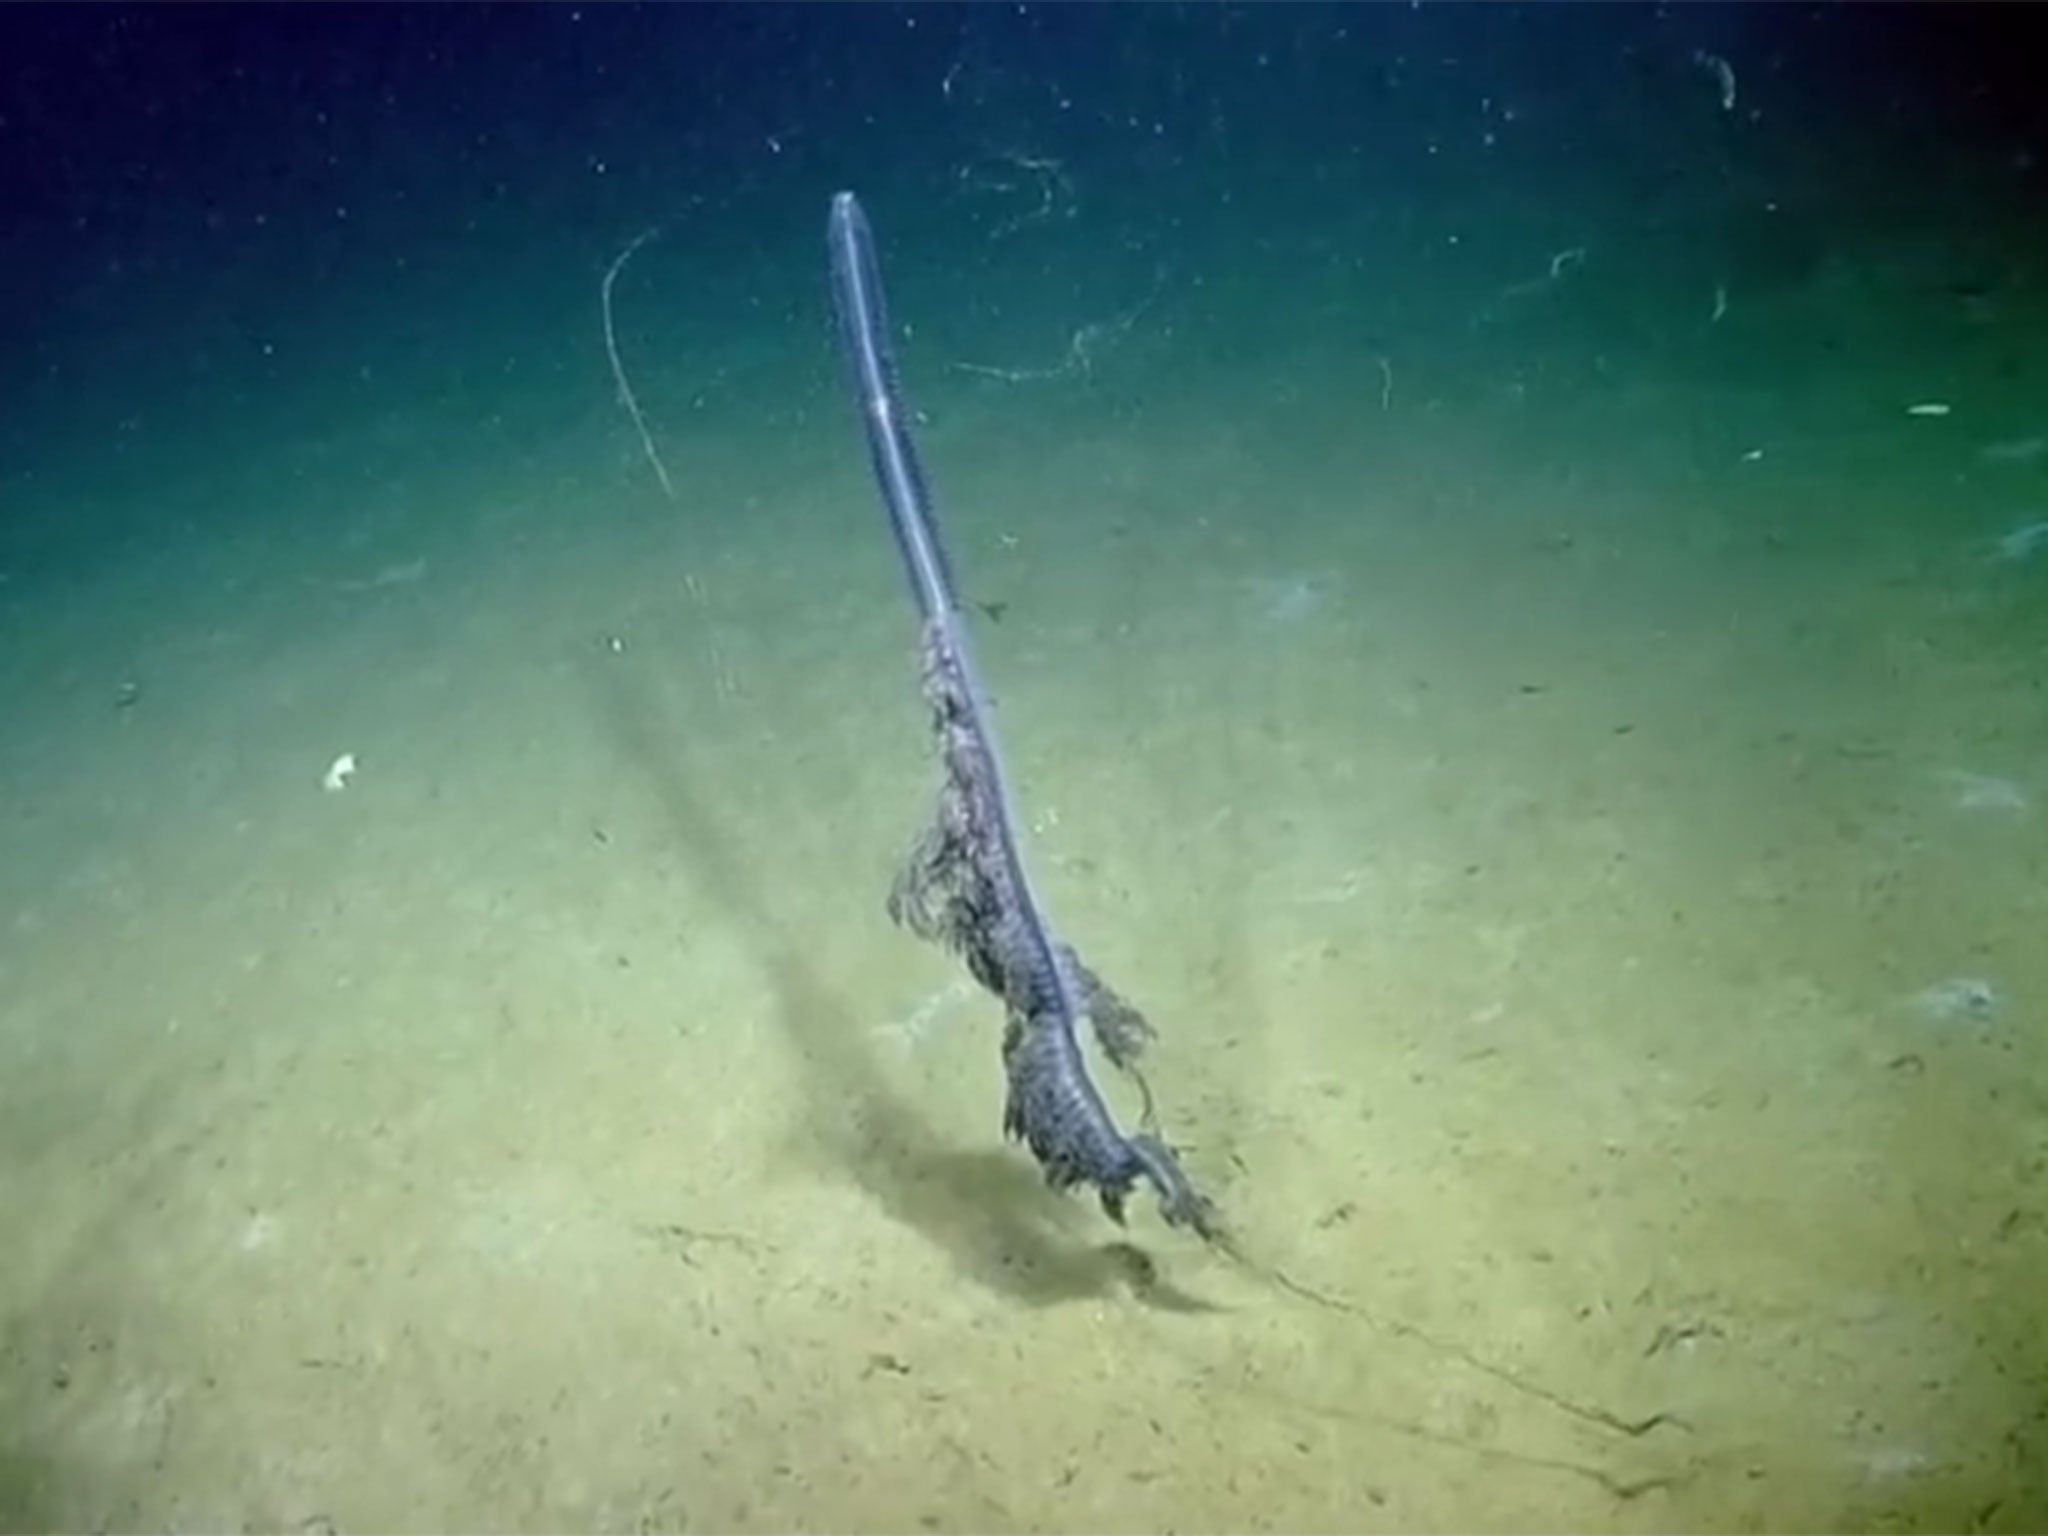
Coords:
336,778
1956,999
1987,792
2015,450
2023,542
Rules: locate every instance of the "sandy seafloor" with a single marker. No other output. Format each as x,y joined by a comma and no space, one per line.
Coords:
1532,790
